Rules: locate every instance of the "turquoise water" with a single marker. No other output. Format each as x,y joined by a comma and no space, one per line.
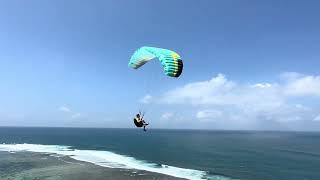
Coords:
234,154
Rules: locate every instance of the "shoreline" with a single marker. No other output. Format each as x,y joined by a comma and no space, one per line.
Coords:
34,165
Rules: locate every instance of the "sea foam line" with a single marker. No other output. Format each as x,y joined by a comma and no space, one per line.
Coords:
110,160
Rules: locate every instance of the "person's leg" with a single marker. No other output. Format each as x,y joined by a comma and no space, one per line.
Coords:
144,123
144,128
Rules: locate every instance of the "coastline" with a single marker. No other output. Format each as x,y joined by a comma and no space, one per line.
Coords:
32,165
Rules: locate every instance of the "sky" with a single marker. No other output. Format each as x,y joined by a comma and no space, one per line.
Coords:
248,65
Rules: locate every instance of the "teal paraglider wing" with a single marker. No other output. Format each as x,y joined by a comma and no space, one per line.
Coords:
170,60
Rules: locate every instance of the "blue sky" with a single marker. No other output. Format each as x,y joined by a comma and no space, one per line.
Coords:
247,64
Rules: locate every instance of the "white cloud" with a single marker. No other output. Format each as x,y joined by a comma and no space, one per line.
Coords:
146,99
71,114
303,86
64,109
221,91
248,104
167,115
205,92
262,85
286,119
76,115
302,107
287,76
209,114
317,118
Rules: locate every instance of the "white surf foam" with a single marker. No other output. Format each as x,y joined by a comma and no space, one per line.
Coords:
109,159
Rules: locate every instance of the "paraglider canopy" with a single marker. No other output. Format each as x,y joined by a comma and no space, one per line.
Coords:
170,60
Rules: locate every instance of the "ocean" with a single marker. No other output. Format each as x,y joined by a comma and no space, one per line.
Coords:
190,154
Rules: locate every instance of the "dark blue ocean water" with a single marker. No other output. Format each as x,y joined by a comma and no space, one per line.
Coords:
236,154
